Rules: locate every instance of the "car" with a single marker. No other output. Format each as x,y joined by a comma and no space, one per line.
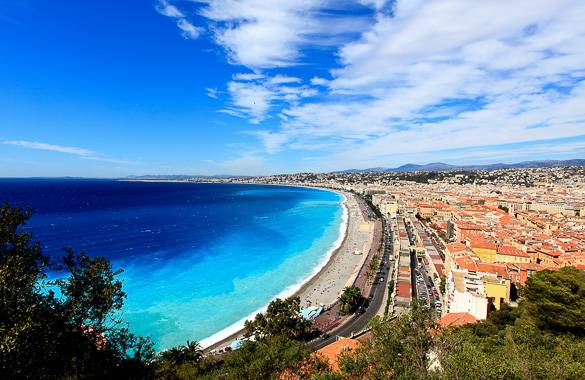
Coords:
381,279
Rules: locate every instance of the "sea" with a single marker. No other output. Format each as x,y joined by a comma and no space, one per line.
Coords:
197,258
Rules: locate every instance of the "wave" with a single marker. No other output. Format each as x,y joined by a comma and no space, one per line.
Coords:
290,290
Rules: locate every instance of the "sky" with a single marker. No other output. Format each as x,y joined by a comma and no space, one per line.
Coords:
107,88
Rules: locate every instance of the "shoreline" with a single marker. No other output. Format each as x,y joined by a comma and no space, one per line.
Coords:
321,276
236,330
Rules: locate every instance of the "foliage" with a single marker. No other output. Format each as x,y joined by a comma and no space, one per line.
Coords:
389,301
515,352
43,336
373,267
180,362
254,360
398,349
350,299
442,285
282,318
555,301
541,339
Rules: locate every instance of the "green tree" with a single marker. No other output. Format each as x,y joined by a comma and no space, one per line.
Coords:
514,352
43,336
261,360
182,362
442,285
397,349
350,299
555,300
283,318
373,267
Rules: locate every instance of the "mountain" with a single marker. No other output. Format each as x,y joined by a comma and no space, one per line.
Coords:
441,167
180,176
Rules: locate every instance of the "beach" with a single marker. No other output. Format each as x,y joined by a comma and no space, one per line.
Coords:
343,267
324,287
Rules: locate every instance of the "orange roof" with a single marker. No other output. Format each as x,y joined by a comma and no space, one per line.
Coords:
553,252
509,250
456,247
456,319
477,243
331,352
403,289
497,269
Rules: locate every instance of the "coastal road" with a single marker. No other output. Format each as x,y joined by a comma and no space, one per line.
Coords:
358,322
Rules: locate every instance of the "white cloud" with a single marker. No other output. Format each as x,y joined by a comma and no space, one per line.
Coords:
316,81
247,76
427,77
212,92
81,152
489,70
283,79
50,147
189,30
378,4
169,10
264,34
250,99
253,96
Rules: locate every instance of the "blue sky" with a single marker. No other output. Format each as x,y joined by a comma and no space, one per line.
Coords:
112,88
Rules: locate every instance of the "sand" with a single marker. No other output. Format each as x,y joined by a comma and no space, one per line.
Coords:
343,266
340,271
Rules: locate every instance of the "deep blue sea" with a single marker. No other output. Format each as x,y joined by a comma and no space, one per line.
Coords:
197,258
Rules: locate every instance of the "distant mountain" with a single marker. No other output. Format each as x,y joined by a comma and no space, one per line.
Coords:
180,177
442,167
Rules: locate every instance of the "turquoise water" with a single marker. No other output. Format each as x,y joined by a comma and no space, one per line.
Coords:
197,258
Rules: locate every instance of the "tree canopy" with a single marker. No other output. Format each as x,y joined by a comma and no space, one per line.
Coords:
44,336
350,299
282,318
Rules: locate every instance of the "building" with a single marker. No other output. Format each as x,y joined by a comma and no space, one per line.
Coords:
510,254
485,250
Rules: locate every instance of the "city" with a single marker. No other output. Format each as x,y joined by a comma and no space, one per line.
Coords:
465,242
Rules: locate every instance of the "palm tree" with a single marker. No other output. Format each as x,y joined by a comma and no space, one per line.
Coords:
350,299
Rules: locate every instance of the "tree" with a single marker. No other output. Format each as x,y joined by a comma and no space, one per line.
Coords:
181,362
74,335
541,339
373,267
555,301
350,299
262,360
397,349
514,352
282,318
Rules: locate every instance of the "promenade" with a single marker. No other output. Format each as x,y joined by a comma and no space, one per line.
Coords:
344,266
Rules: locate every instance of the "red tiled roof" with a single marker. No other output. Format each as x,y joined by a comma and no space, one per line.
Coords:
457,319
509,250
332,351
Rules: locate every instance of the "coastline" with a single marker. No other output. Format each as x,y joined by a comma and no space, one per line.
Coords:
235,330
328,278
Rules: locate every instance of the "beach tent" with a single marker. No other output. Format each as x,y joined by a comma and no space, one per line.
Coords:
311,312
234,345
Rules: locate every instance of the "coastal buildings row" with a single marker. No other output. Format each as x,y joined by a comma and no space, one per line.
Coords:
480,235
